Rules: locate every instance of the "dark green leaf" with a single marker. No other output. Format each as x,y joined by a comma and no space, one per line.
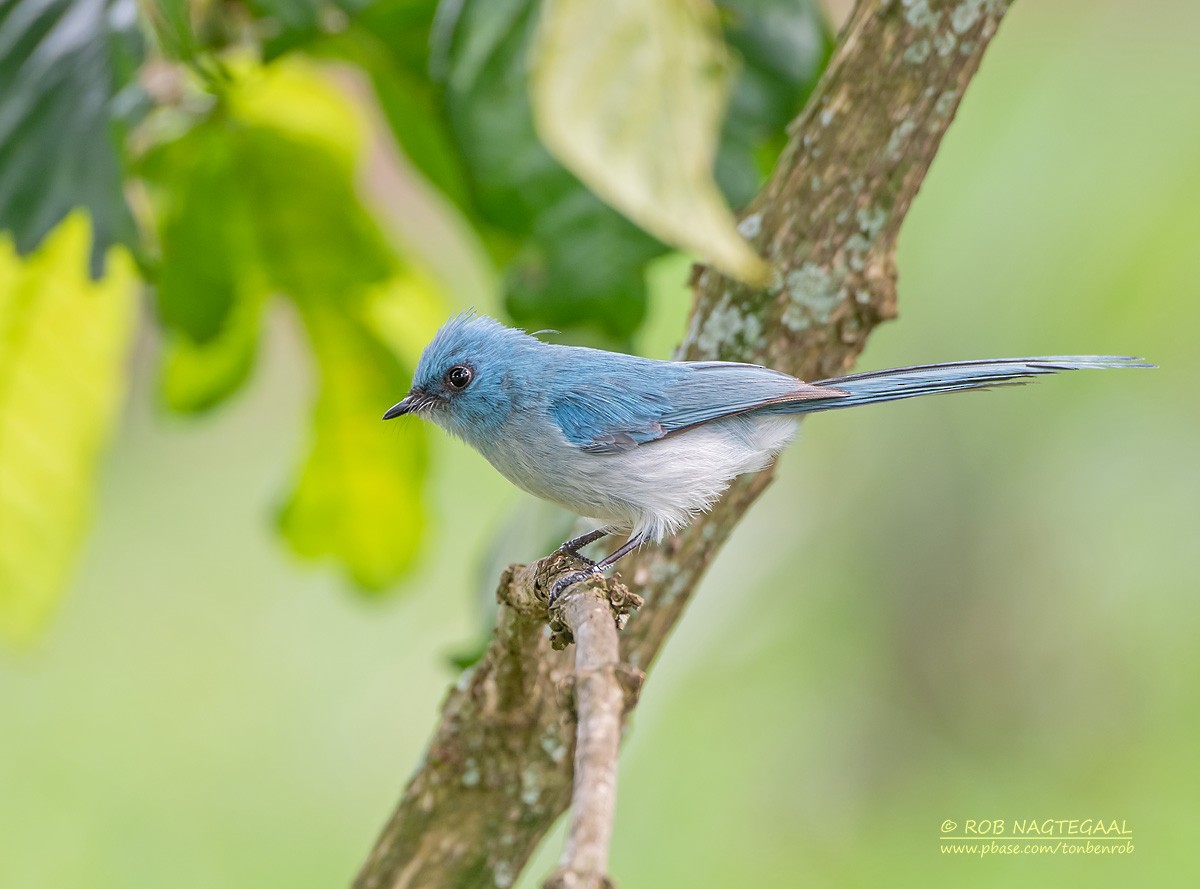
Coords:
206,228
578,261
411,103
567,258
66,67
285,25
580,233
783,47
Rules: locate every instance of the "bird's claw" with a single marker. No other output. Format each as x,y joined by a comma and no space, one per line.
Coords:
560,586
576,554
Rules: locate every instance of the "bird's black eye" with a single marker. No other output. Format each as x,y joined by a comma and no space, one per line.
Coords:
459,376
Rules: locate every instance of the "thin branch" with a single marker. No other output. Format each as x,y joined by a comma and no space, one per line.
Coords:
498,769
604,690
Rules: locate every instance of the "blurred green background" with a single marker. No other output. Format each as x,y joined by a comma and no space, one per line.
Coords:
977,607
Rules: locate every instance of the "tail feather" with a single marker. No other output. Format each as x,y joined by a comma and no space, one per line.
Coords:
957,376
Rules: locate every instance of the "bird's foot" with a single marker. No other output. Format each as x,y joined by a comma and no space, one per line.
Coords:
566,550
560,586
575,544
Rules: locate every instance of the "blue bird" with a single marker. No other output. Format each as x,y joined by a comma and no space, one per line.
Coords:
640,445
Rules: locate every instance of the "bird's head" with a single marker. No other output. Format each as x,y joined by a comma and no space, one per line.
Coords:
467,380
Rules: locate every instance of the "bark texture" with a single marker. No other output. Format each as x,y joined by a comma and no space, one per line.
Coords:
498,770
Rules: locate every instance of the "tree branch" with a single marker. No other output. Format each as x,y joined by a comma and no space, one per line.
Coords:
498,769
604,690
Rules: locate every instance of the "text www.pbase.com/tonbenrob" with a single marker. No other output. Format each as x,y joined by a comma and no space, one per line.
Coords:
1078,846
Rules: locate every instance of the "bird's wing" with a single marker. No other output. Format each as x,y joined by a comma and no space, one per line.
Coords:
621,409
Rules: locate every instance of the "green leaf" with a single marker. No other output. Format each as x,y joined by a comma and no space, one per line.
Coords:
205,228
286,25
66,67
172,24
582,261
258,198
196,378
261,199
473,139
631,97
567,258
782,49
315,240
359,494
63,349
384,42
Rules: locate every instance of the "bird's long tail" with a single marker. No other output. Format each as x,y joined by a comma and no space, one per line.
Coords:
930,379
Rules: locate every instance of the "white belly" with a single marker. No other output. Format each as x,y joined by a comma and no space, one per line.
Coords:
653,489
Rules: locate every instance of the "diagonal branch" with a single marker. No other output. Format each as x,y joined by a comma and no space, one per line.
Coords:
498,770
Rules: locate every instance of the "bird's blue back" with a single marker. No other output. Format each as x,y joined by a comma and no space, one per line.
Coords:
600,401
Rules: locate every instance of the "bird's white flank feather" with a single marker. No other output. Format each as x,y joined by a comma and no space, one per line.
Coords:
660,486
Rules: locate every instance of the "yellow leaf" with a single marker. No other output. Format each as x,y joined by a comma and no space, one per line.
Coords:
63,345
358,498
405,312
630,96
295,96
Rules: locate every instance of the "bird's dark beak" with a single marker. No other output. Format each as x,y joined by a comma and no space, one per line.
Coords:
407,406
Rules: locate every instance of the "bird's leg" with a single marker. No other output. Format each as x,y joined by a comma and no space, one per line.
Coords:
607,562
575,544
